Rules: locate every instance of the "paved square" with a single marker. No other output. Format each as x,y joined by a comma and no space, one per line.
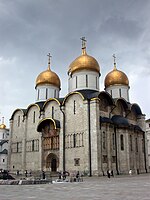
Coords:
93,188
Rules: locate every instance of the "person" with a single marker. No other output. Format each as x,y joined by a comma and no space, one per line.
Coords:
112,173
77,176
130,172
108,173
17,173
59,175
43,174
26,173
64,175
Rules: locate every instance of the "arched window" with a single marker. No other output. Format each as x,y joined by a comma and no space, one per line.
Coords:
121,142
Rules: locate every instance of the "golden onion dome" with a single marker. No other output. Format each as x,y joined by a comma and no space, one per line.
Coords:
2,126
84,62
48,77
116,77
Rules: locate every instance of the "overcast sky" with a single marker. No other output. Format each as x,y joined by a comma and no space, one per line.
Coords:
30,29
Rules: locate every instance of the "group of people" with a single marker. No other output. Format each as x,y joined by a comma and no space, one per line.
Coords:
26,173
75,177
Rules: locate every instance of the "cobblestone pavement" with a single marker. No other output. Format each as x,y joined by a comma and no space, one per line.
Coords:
136,187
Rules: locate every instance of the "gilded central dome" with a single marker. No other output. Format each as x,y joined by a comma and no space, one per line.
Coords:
84,62
48,77
116,77
2,126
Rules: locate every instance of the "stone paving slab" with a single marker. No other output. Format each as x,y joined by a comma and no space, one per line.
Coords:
93,188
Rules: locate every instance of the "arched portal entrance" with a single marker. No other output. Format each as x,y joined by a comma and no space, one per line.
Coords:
50,143
52,162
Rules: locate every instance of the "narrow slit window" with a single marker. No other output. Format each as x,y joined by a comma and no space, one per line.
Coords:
52,111
96,83
131,147
111,92
32,145
120,92
46,93
76,82
122,142
74,140
74,107
104,140
34,117
38,94
113,141
136,143
55,94
18,121
86,80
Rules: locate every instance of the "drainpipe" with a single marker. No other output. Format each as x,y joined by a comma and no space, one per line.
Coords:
145,152
89,129
64,156
116,151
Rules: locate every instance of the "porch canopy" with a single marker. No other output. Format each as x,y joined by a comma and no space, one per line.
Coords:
47,121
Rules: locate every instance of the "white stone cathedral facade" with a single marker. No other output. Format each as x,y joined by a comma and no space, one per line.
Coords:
88,130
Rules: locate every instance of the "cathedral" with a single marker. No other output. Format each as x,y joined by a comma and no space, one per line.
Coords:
89,130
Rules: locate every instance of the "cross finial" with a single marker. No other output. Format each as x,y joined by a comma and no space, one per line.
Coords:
49,59
2,120
114,56
83,42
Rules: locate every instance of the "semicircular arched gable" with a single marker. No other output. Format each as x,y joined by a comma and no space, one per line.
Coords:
70,95
135,111
22,112
31,106
105,101
121,108
51,100
52,109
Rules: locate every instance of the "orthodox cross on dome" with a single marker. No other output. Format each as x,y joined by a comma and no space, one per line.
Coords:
49,59
83,45
2,120
83,42
114,56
